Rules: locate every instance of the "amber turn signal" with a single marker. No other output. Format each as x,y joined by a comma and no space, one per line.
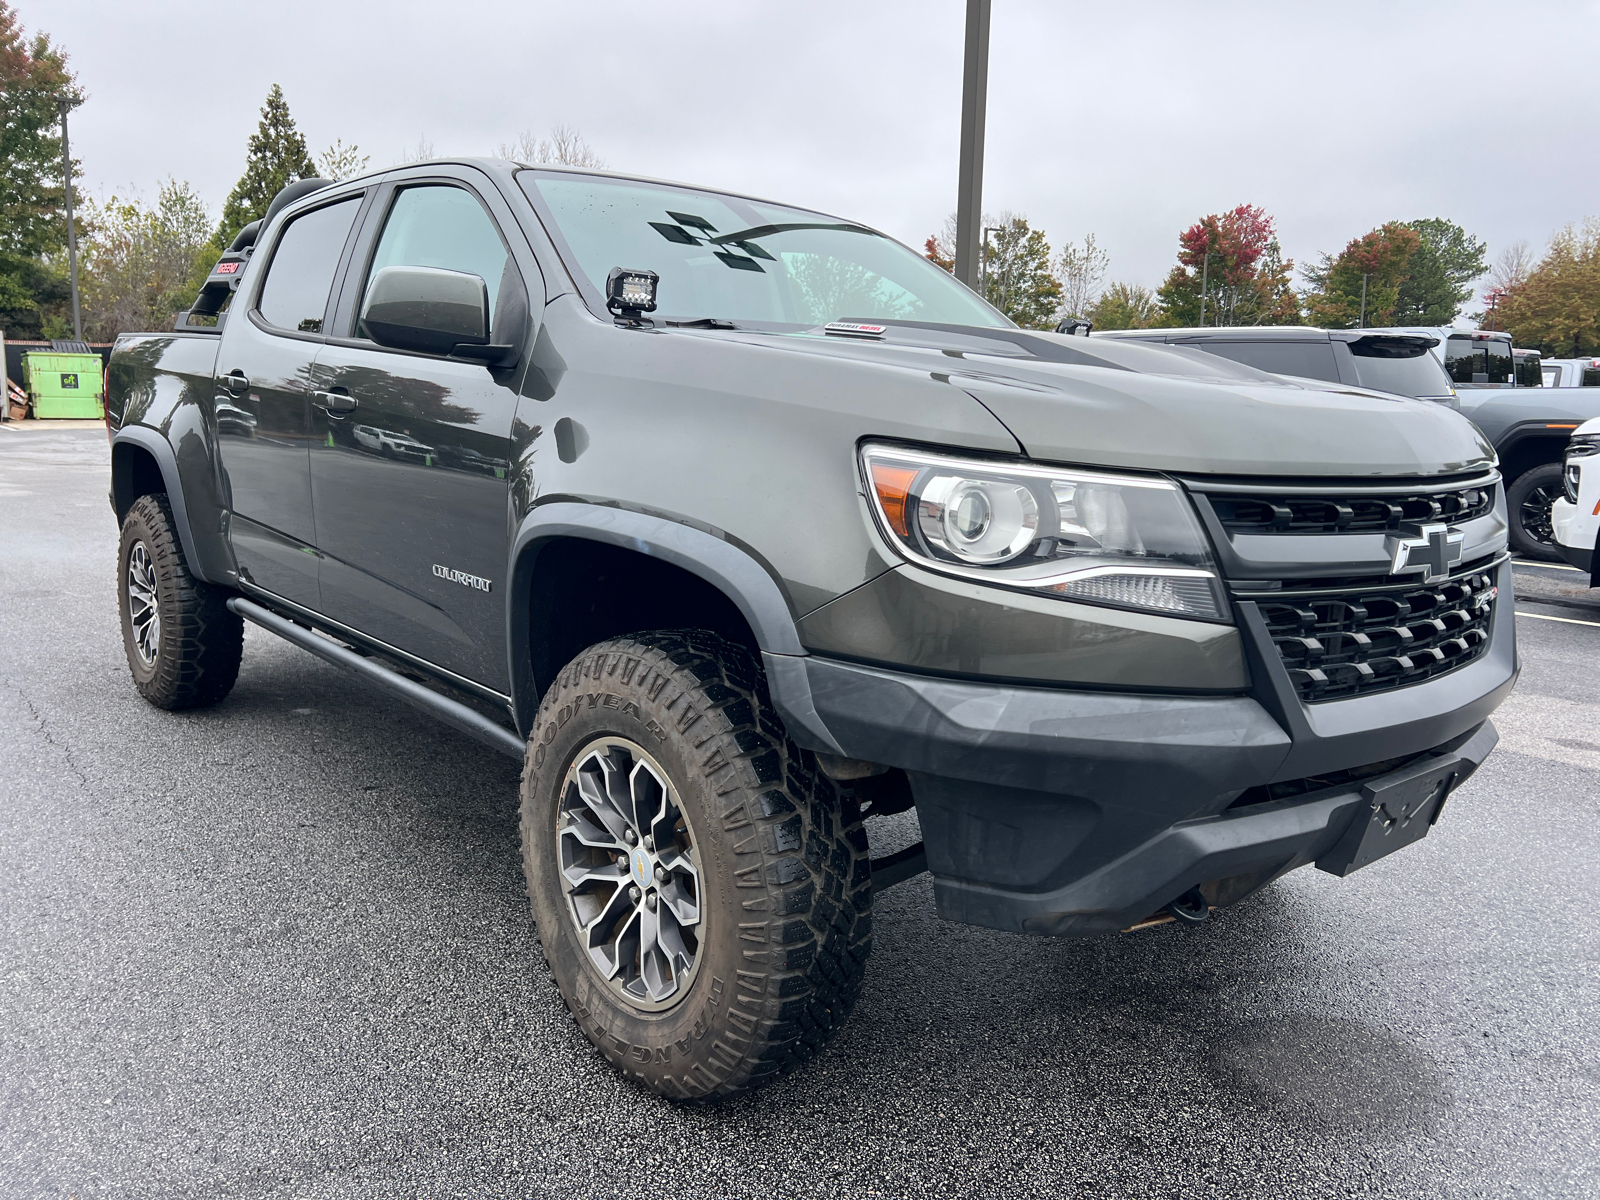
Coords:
893,485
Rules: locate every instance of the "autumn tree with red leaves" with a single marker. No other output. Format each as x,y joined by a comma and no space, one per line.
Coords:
1383,257
1235,258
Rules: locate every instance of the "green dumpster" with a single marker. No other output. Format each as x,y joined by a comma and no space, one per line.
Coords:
64,385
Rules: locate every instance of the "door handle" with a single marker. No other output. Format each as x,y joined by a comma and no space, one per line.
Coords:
237,382
337,404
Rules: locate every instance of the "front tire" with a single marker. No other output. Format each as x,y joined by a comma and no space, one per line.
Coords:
1529,500
182,642
702,892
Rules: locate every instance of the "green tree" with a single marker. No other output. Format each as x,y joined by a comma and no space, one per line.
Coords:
276,158
340,162
1556,308
1017,276
1382,258
1081,270
33,228
1235,259
1439,274
1127,306
139,263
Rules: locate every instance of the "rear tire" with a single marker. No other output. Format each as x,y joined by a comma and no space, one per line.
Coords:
753,895
183,644
1528,502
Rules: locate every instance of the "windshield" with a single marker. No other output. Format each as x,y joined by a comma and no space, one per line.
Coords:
736,260
1403,367
1477,358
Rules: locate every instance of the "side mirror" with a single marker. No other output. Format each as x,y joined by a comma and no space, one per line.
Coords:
427,309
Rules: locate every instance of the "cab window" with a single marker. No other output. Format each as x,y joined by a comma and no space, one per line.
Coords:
1309,360
300,276
437,225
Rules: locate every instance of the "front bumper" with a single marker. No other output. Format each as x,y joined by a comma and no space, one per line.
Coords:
1576,529
1073,812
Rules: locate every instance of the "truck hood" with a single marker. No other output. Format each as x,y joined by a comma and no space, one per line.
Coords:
1121,404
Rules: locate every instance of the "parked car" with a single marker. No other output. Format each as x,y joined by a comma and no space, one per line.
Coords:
1388,362
390,443
1575,516
1571,372
797,530
1528,427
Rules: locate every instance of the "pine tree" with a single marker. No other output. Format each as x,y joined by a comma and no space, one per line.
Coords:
277,157
33,226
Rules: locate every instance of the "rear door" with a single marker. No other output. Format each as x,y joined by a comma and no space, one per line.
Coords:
265,378
409,466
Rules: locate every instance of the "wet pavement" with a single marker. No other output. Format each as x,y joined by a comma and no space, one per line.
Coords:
281,949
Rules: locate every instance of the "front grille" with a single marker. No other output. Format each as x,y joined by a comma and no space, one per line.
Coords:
1343,640
1349,513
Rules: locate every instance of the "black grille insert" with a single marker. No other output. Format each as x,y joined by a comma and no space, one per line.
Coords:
1349,513
1338,643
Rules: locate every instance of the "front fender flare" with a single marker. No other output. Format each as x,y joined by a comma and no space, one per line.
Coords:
721,563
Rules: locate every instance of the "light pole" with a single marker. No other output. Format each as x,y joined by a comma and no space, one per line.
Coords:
974,100
1205,269
983,260
72,233
1361,321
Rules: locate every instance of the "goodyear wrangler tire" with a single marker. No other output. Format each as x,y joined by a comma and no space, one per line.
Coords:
183,644
702,892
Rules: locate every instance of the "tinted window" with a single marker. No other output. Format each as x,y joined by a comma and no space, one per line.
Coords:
441,226
724,257
1470,359
1591,377
295,295
1311,360
1528,372
1404,368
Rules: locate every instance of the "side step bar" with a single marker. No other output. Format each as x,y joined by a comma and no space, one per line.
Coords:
898,867
451,712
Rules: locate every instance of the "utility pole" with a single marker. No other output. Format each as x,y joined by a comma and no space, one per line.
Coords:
974,102
72,233
1361,322
1205,268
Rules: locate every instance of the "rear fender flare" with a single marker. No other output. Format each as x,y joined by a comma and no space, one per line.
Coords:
158,448
720,562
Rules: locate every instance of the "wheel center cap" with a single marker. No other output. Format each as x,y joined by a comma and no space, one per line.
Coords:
640,866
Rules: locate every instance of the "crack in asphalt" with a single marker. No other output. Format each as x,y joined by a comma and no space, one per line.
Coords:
42,727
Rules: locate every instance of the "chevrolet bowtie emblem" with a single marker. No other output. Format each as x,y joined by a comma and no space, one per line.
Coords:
1431,551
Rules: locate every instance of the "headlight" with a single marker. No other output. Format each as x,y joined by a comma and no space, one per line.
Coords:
1570,478
1128,541
1583,445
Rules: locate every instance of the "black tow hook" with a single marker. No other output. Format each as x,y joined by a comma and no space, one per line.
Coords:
1190,908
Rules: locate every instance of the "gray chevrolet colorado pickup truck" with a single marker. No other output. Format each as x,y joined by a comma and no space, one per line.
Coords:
740,524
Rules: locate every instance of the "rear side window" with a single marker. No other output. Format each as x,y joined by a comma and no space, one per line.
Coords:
1310,360
1403,368
1471,359
295,295
1591,376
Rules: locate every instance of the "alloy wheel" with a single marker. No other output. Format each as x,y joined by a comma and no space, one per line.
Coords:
1536,515
144,611
631,872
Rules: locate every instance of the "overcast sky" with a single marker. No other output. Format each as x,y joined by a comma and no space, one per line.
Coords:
1126,120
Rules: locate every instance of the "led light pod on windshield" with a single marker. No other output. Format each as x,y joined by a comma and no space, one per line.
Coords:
631,293
1127,541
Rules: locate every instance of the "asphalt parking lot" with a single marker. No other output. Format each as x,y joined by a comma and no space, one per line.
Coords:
281,949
